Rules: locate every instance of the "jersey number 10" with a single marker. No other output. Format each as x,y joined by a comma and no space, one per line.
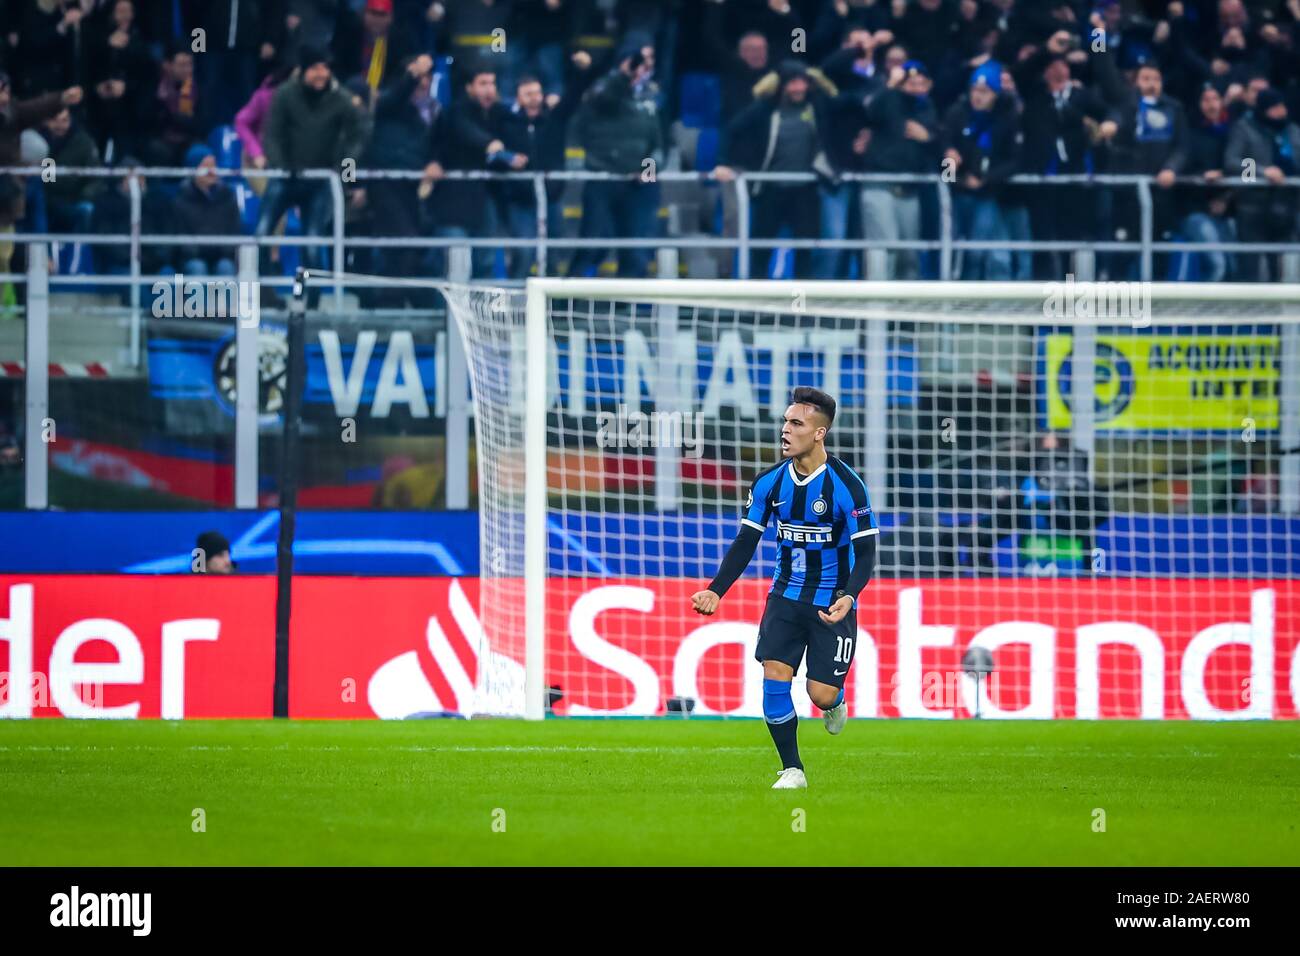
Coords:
843,649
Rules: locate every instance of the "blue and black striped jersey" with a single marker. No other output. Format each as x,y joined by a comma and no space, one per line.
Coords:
818,516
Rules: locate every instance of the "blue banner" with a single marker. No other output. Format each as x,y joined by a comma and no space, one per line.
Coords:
446,543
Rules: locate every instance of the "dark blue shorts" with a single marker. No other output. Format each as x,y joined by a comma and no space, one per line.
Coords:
790,629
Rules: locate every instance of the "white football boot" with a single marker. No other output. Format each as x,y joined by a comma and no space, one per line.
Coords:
791,778
835,718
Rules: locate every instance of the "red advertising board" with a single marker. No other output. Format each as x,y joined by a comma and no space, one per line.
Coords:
134,646
1124,648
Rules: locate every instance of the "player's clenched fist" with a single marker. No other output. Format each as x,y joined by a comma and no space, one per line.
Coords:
705,602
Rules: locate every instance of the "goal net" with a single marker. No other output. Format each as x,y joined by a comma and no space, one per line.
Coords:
1088,494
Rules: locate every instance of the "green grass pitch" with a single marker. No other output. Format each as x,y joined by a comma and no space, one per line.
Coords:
668,792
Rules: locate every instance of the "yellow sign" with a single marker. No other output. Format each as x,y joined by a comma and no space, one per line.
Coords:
1171,382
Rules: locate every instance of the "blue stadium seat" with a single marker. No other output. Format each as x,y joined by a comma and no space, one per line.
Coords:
700,97
250,205
224,141
442,80
706,148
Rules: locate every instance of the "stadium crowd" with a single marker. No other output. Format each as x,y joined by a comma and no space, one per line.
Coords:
1193,93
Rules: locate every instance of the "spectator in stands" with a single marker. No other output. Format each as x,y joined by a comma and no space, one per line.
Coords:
312,125
981,140
979,41
894,57
406,118
538,33
472,31
537,130
1060,496
473,139
1167,42
177,121
112,217
1151,140
49,45
15,117
739,68
904,139
1131,38
646,93
311,24
852,70
120,74
1267,141
1239,98
1084,110
242,40
841,18
1063,124
161,23
356,212
70,199
644,17
622,137
1014,199
931,30
1206,213
782,131
251,121
369,47
205,207
777,20
1229,51
212,554
9,32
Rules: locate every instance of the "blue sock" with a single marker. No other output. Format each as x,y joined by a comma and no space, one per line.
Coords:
782,721
839,699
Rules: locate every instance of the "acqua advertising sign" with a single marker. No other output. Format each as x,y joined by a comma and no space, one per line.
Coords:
1177,383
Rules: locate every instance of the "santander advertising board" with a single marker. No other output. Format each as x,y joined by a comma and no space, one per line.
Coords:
173,647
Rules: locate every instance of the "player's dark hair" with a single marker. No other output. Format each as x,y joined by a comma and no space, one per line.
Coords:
807,395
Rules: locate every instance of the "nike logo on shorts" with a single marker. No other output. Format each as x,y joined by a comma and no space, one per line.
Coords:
841,673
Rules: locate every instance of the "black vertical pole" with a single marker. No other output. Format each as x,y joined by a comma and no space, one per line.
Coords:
294,374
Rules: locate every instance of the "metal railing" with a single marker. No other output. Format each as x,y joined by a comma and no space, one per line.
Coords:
948,244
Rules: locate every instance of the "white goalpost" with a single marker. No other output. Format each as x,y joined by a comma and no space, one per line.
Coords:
1096,483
